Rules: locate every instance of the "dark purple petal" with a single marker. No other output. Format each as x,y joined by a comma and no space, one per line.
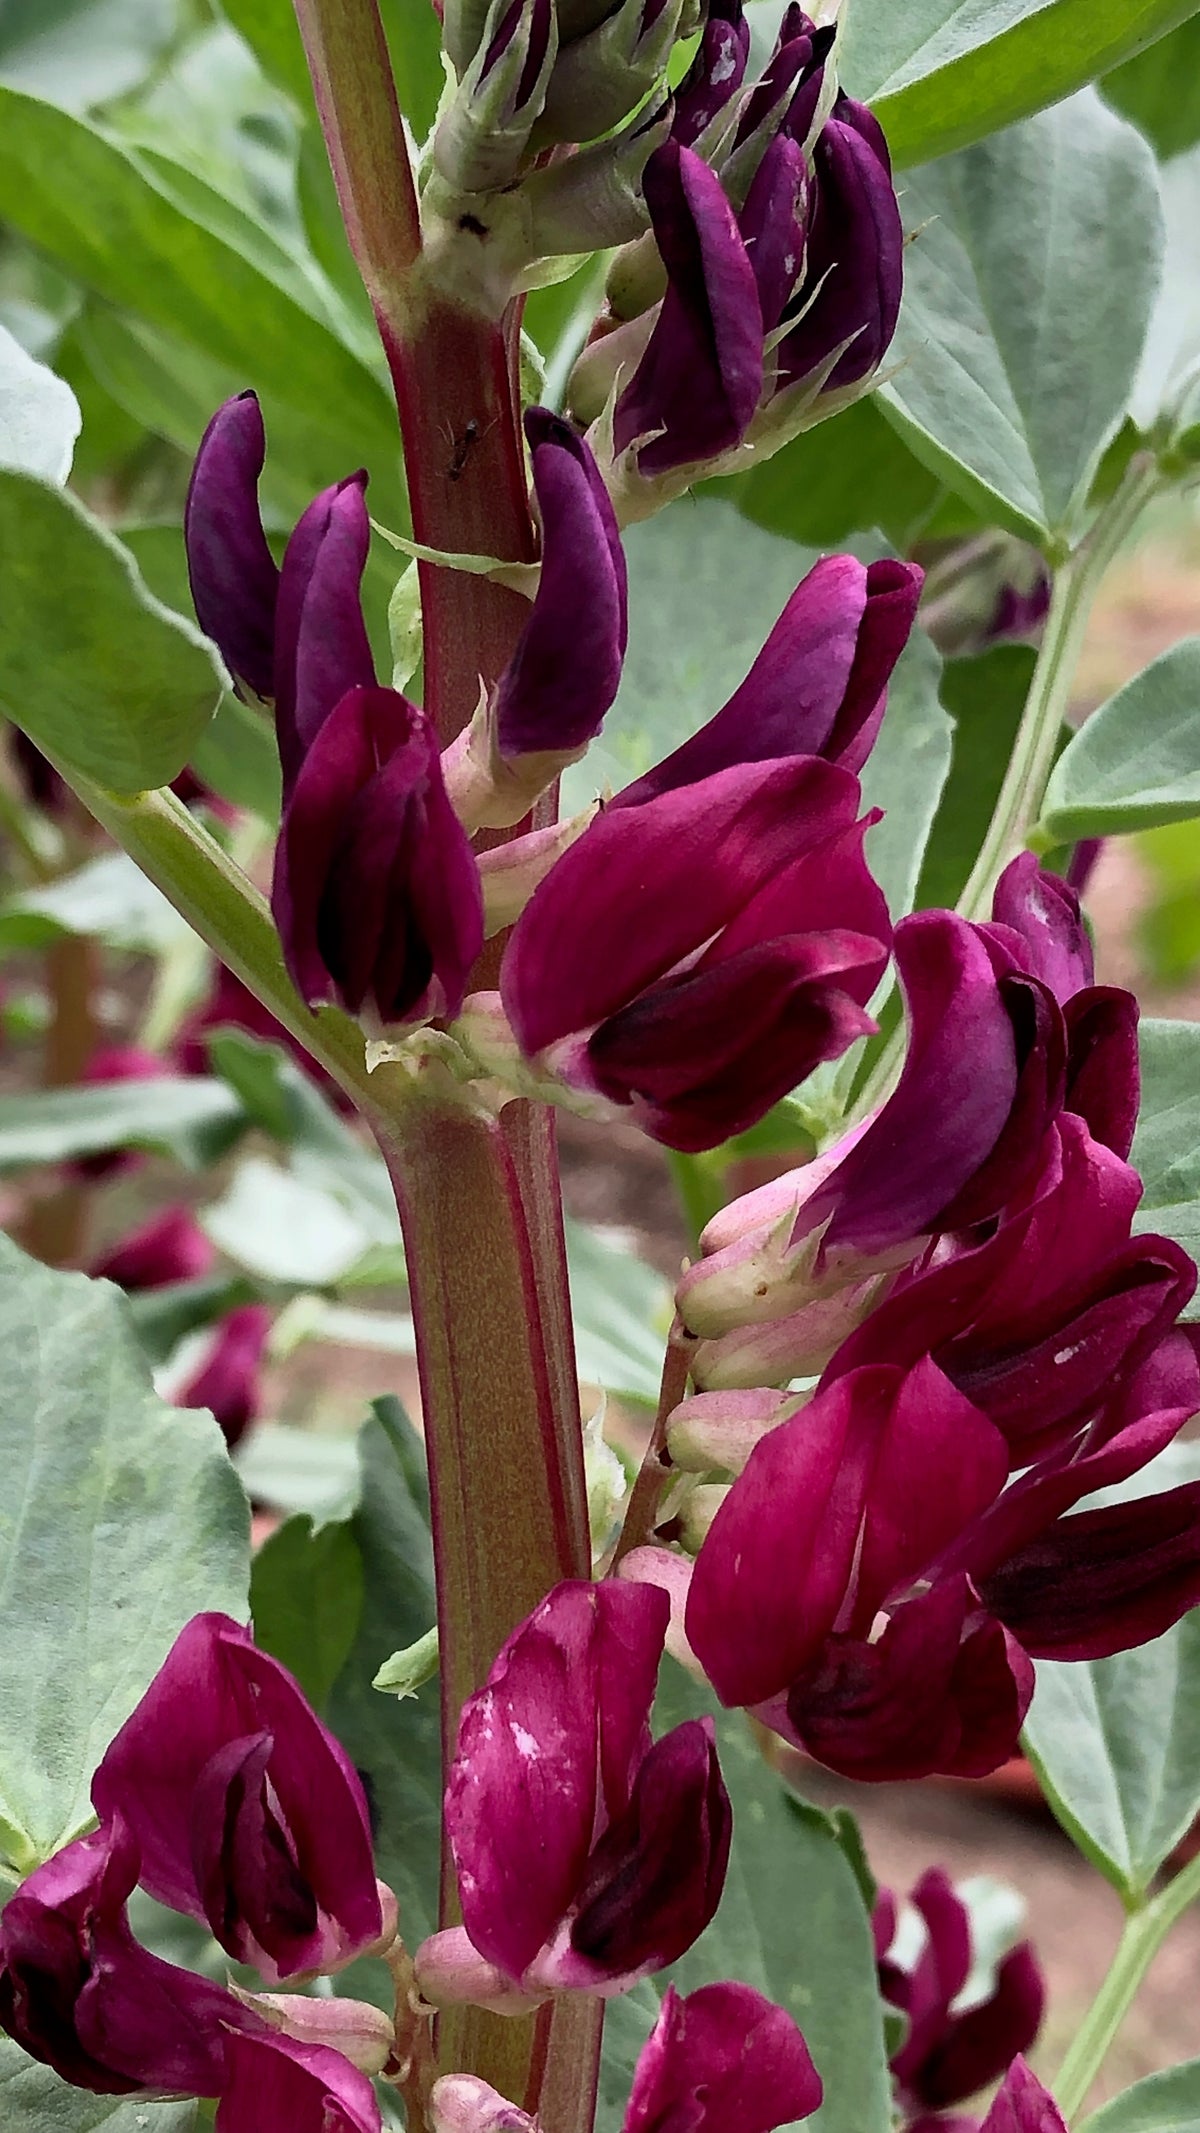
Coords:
788,90
722,2058
937,1977
178,1772
647,886
699,381
276,2083
1102,1581
943,1689
228,1380
954,1095
654,1881
772,226
1037,1099
1103,1070
1043,912
234,581
78,1993
565,671
715,73
170,1247
854,263
1022,2105
818,687
981,2043
376,892
321,647
547,1749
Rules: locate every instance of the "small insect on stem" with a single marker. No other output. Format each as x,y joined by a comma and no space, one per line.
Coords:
462,450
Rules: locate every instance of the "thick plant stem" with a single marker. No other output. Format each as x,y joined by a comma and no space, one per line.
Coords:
368,153
1020,799
1144,1934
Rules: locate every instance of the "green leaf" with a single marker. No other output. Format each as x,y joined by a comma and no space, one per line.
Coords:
622,1313
164,1317
187,1117
1027,296
1160,90
39,415
1136,761
792,1922
1173,340
943,73
395,1744
91,666
33,2100
1163,2103
121,1518
306,1600
985,698
142,234
1116,1745
300,1470
848,475
81,52
109,897
282,1228
1166,1147
285,1102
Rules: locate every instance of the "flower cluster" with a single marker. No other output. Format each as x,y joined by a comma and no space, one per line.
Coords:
226,1798
689,952
994,1346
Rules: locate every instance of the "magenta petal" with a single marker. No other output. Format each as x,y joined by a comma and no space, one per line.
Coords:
550,1743
722,2058
277,2085
1022,2105
960,1070
170,1247
854,265
775,1566
228,1382
215,1689
1103,1069
700,378
233,576
981,2043
926,1992
645,887
1044,912
78,1992
321,647
564,673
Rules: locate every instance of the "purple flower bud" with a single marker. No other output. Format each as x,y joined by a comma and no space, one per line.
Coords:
235,583
788,92
170,1247
849,300
696,388
321,647
565,671
227,1381
462,2103
723,2057
273,2081
78,1993
1022,2105
819,685
376,893
696,954
772,225
248,1814
715,73
948,2056
1037,914
586,1856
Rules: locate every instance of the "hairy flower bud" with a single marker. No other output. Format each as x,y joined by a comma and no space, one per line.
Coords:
482,134
601,77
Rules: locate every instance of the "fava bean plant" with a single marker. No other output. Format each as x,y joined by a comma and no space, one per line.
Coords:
641,474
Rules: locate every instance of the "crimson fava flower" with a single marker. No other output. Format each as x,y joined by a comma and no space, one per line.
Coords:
376,892
951,2052
78,1993
1022,2105
723,2057
227,1379
272,2081
169,1247
248,1814
587,1855
695,954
